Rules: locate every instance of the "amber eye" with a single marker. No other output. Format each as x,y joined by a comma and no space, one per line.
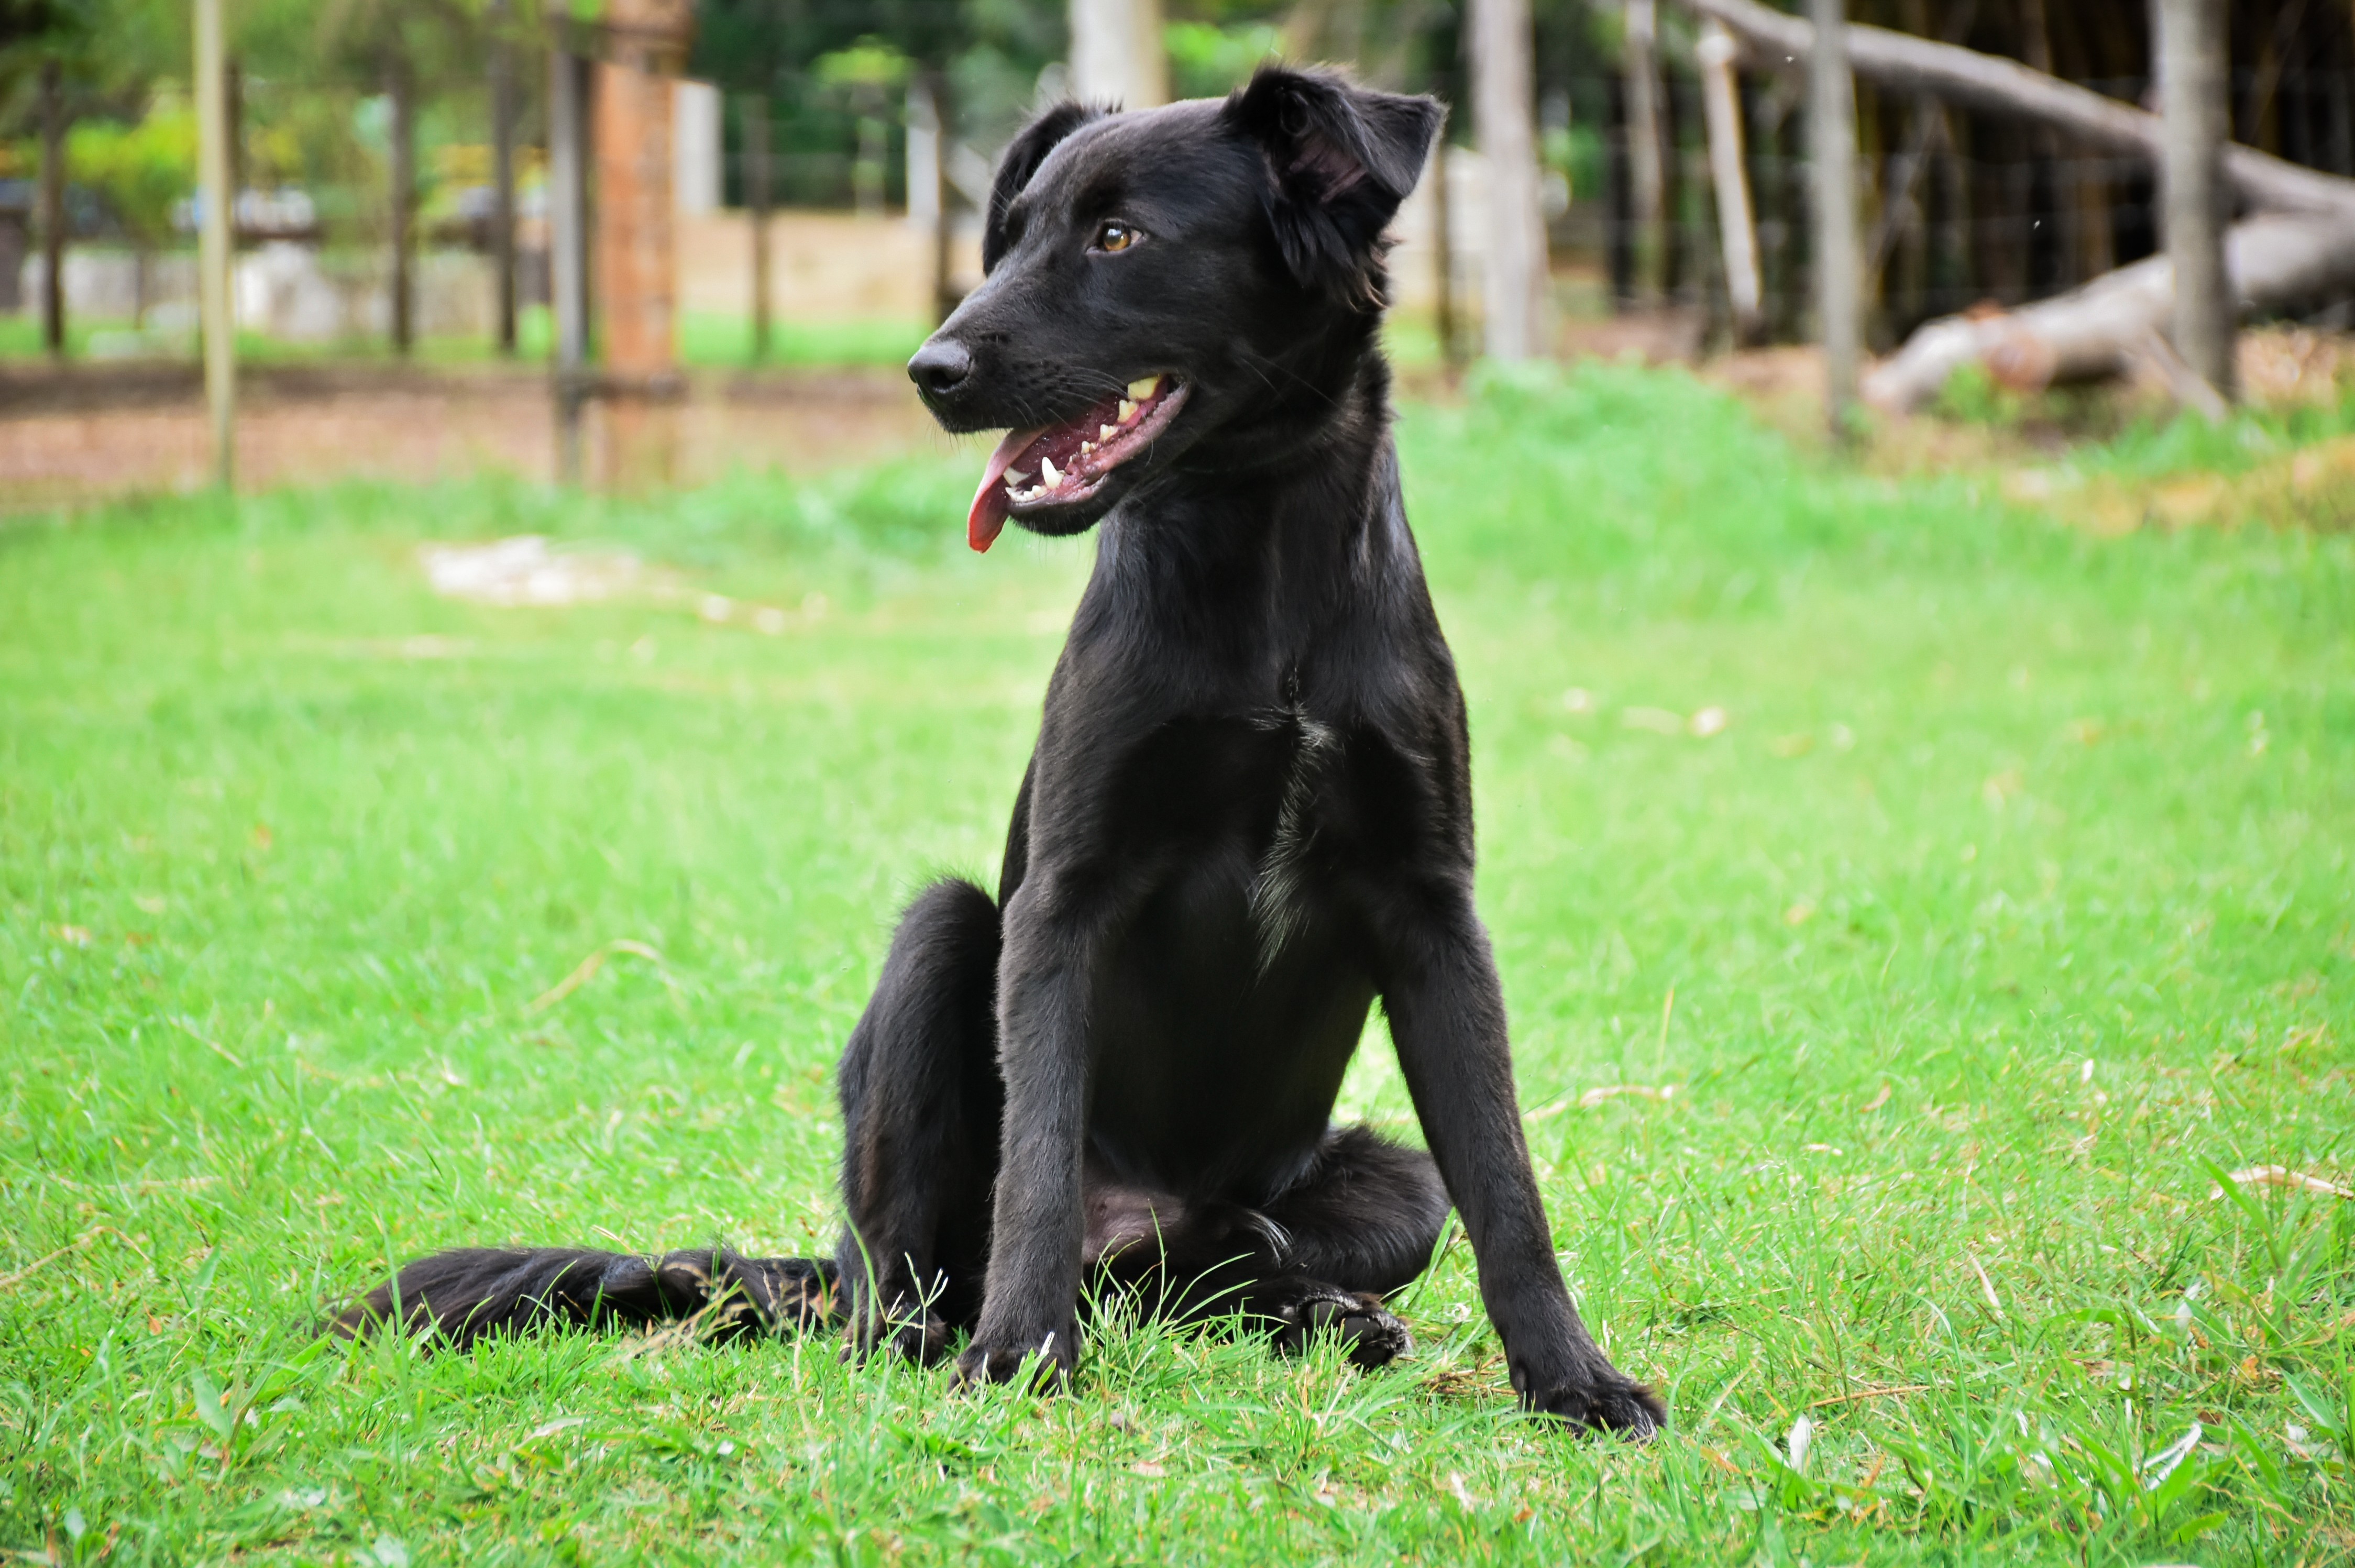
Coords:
1117,236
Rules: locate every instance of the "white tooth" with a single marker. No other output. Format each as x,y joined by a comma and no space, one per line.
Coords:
1143,389
1047,470
1017,476
1086,447
1105,432
1127,411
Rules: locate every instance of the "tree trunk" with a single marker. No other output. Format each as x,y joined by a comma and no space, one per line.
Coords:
1995,86
503,187
53,209
2194,87
402,88
1443,245
1516,290
1117,57
1647,181
756,204
1831,155
2113,324
1737,231
929,117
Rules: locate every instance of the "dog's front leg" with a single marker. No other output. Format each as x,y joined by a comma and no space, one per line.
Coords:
1031,1298
1447,1016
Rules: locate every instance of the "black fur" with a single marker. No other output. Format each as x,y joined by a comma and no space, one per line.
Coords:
1247,818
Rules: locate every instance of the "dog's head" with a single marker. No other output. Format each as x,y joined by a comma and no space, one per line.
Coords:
1162,282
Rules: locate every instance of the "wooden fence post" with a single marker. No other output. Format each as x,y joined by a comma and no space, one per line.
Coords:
1647,180
53,209
503,185
568,248
2193,85
214,196
756,206
1831,152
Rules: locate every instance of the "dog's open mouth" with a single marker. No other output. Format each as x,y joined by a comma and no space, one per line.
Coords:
1061,464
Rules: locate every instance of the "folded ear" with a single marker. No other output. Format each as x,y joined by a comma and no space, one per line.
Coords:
1023,157
1340,158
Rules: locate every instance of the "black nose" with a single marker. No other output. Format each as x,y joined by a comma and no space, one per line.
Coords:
940,367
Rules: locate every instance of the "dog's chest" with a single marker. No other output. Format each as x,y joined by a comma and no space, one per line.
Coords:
1258,808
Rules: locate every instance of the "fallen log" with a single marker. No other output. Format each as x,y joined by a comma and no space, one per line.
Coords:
1775,40
2118,323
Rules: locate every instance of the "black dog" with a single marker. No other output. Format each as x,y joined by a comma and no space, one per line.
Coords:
1249,815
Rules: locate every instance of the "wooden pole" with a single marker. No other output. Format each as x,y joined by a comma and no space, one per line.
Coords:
1737,231
1831,155
929,119
568,250
53,209
1515,305
2193,84
503,181
1443,246
756,202
1646,179
213,238
402,88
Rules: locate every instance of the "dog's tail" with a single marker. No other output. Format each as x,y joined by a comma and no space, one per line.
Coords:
468,1292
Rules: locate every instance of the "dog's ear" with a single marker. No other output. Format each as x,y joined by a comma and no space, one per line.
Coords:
1340,158
1023,157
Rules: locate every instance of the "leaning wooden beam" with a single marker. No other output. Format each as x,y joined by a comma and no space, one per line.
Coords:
2119,321
1721,105
1991,84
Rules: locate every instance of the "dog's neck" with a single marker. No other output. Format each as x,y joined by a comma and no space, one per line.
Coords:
1246,550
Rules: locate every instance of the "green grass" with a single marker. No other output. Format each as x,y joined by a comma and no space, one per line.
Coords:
2008,908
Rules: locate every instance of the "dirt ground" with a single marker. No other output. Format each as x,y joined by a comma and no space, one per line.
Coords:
91,433
88,432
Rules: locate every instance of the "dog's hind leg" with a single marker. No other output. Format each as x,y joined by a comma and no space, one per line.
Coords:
1315,1261
469,1292
920,1104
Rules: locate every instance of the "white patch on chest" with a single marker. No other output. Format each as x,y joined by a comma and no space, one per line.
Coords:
1276,886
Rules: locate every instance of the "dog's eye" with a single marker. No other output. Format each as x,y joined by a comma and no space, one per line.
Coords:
1116,235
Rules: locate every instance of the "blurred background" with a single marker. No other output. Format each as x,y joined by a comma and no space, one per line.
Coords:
720,223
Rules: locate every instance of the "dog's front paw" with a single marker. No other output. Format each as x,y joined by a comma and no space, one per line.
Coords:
1045,1360
1609,1404
1370,1334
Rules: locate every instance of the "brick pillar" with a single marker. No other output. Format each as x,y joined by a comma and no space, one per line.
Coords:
636,245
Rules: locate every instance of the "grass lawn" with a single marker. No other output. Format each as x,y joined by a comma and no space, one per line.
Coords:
1909,909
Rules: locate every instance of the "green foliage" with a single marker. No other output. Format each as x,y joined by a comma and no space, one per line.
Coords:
1208,61
1885,1037
2151,448
144,170
1974,397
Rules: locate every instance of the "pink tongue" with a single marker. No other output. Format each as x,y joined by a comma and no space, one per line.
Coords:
983,524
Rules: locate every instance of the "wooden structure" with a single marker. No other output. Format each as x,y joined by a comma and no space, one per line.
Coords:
1962,203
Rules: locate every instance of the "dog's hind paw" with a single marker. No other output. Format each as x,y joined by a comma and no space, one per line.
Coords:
786,1292
1614,1404
906,1329
1370,1334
